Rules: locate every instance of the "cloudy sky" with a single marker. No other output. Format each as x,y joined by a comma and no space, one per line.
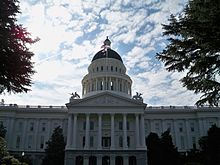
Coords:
72,31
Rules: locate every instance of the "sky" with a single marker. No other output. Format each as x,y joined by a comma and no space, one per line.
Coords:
72,31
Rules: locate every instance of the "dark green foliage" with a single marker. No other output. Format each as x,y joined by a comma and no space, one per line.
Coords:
153,149
161,151
15,58
210,146
194,47
2,131
55,148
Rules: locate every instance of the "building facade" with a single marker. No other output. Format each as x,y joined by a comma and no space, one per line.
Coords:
107,126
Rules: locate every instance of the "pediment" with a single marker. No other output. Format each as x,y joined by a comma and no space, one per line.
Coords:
105,99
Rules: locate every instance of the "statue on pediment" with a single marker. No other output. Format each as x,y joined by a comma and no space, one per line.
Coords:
138,97
74,95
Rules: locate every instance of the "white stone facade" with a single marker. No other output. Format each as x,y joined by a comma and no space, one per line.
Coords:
106,126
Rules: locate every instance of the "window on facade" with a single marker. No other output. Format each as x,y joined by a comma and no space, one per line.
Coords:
106,142
157,127
84,141
128,125
30,141
194,142
43,127
116,69
18,141
91,141
120,141
169,126
180,127
182,142
120,125
111,68
97,69
42,142
91,125
101,68
192,127
128,141
84,125
31,126
20,125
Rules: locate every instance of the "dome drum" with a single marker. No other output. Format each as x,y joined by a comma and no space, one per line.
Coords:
107,73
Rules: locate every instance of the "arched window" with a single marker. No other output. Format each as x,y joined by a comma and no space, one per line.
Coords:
119,160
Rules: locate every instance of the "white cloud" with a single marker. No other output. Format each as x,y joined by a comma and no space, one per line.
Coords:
71,32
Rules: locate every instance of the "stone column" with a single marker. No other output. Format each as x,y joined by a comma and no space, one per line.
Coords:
201,128
35,134
137,130
69,131
125,161
24,135
74,130
87,131
142,132
100,132
86,160
125,143
176,133
112,160
96,84
99,159
112,132
188,133
11,130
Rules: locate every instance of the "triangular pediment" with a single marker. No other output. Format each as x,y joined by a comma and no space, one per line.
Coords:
105,99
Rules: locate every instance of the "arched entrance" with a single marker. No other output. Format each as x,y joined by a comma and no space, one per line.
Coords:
106,160
92,160
119,160
132,160
79,160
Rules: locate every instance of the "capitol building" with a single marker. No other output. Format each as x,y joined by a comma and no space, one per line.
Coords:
108,125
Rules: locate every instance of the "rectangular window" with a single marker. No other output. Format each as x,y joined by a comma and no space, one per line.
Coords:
20,126
128,141
180,127
30,141
128,125
192,127
91,141
182,142
42,142
18,141
84,125
106,142
120,126
43,127
83,142
91,125
31,126
120,141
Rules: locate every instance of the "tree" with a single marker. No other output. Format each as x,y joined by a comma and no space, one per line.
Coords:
153,149
194,47
16,67
55,148
162,151
210,146
170,154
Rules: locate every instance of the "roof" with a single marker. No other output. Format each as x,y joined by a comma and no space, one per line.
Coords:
108,53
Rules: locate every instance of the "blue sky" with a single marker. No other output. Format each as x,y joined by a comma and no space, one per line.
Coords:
72,31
